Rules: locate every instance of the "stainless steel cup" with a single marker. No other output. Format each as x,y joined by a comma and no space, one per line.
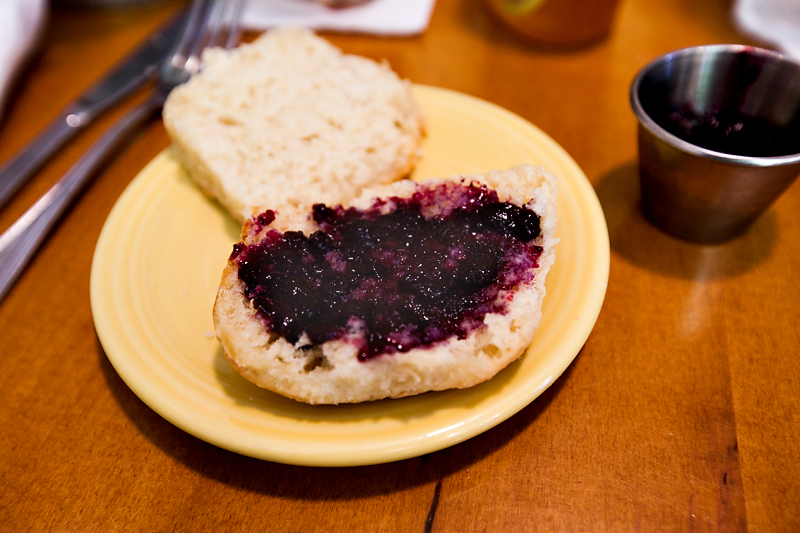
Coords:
707,195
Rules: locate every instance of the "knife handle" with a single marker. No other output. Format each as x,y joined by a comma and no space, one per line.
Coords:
128,75
20,242
19,169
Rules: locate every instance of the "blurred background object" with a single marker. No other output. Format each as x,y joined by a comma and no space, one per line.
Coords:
558,22
774,22
21,25
107,3
378,17
338,4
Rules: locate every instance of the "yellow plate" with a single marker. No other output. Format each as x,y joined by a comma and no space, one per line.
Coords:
157,266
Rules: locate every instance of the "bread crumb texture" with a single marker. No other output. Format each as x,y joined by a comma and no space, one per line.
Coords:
331,373
290,120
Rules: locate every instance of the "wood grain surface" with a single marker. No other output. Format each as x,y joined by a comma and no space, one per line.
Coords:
681,412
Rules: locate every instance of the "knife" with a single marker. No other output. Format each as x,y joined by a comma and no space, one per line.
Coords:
128,75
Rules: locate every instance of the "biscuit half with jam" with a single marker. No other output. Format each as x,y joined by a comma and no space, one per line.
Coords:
412,287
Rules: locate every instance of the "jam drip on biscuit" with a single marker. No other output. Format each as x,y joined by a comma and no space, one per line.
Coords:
407,272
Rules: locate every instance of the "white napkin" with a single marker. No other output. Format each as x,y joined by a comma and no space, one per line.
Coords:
21,24
380,17
776,22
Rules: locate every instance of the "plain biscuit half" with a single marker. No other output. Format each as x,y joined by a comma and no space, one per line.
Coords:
291,120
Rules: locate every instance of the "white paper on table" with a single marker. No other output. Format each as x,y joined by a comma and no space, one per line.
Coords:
21,24
776,22
379,17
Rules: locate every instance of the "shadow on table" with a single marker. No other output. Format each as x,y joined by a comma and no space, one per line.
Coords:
309,483
638,241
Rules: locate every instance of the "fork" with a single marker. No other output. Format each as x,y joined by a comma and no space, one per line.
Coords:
210,23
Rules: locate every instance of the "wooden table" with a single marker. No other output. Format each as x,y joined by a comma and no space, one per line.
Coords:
681,412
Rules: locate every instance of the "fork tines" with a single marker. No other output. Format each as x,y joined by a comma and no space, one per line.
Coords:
222,16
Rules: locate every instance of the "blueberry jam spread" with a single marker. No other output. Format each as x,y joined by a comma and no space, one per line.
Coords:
731,132
404,273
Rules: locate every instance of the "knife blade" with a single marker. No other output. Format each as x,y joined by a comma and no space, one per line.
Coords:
120,81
